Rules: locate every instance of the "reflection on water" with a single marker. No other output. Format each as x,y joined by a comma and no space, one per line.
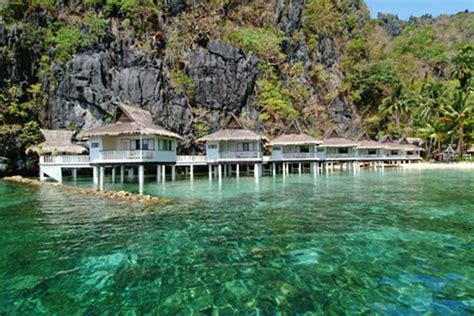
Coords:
397,243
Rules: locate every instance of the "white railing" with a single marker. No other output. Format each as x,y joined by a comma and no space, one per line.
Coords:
64,160
127,155
191,159
375,156
241,155
336,156
299,155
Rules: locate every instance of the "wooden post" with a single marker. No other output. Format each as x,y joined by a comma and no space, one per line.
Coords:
237,171
256,171
122,174
173,173
274,169
141,178
299,168
158,174
113,174
191,171
219,172
163,173
101,178
210,172
95,175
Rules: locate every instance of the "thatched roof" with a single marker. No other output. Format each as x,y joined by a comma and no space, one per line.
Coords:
388,143
129,120
416,141
232,130
364,141
406,145
57,141
332,139
294,136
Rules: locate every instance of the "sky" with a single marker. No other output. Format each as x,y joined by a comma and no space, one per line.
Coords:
405,8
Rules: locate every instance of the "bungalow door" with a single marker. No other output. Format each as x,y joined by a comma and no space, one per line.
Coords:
125,144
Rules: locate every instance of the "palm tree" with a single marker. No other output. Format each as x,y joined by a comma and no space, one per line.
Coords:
432,100
463,66
395,105
459,114
435,132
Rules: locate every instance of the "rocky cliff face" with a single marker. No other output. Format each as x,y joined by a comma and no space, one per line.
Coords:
81,92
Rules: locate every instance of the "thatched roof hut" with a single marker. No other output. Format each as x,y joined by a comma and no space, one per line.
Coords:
294,136
406,145
365,142
57,141
332,139
129,120
388,143
232,130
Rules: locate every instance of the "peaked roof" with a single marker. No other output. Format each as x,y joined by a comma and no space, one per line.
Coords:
233,129
407,145
332,139
59,141
294,136
129,120
364,141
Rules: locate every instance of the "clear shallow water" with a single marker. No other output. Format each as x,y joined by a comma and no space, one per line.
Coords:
397,242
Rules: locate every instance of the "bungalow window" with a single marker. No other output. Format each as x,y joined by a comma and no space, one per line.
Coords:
212,146
304,149
320,150
394,152
95,145
277,148
166,145
343,150
372,152
134,144
148,144
410,153
245,146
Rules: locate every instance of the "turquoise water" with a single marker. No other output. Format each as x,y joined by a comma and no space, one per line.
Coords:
394,242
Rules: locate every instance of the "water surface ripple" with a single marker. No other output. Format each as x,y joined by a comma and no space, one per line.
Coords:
394,242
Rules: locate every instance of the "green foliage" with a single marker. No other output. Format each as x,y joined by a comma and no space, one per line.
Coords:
273,98
423,43
66,40
200,129
370,84
97,27
264,42
183,83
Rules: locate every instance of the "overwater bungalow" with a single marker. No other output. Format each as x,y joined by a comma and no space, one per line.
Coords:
410,151
131,140
57,151
392,150
294,146
335,147
233,145
368,149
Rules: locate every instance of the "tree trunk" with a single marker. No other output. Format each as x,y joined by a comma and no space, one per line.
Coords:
461,139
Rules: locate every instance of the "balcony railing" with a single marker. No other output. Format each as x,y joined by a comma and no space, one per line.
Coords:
64,160
127,155
191,159
300,155
241,155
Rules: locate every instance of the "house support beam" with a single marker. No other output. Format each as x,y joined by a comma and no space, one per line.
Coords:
219,172
158,174
122,174
163,173
95,175
141,178
101,178
131,174
210,172
74,173
191,171
237,170
113,174
173,173
274,169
